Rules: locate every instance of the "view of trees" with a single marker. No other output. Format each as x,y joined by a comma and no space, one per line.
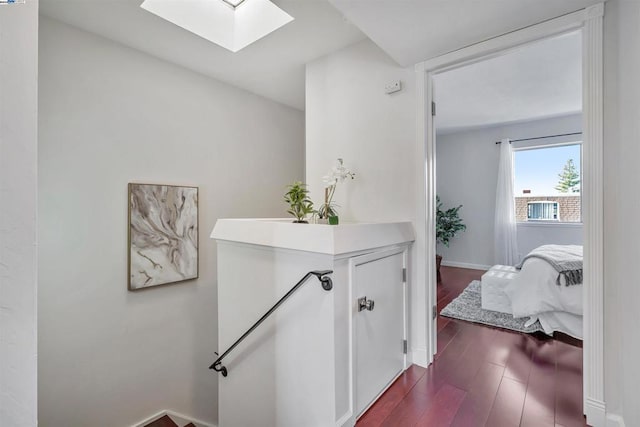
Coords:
569,179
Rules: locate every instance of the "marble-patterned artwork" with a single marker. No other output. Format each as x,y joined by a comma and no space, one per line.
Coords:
163,234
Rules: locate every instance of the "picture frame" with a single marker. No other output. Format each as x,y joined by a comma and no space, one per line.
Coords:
162,235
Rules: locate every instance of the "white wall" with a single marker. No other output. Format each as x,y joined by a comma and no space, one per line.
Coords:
531,235
349,115
110,115
18,196
622,204
467,172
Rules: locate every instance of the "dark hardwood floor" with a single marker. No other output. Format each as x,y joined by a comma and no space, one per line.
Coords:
166,421
484,376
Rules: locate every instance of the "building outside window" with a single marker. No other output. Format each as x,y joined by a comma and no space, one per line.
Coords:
547,183
541,211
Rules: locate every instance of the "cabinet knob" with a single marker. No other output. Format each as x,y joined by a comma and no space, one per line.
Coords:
365,304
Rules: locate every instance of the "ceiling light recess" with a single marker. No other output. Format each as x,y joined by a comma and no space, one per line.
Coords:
222,22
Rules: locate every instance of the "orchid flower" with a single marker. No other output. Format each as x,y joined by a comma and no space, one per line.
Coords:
337,174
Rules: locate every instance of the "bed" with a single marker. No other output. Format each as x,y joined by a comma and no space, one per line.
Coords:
538,292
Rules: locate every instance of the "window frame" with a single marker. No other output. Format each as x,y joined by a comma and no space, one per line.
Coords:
526,146
541,202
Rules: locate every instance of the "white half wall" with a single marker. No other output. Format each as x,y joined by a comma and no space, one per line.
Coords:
18,208
467,171
110,115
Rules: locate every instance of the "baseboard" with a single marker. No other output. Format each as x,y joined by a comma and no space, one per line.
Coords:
419,357
466,265
596,412
345,420
614,420
178,418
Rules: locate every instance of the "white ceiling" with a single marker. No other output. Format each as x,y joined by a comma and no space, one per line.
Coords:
272,67
540,80
408,30
411,31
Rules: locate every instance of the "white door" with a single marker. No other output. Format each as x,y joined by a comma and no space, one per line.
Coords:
379,324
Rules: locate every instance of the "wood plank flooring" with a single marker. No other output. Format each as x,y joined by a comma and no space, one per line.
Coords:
485,377
166,421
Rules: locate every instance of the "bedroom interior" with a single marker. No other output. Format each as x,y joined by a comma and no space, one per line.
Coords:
504,165
535,94
101,96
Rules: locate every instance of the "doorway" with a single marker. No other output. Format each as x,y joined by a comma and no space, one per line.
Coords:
589,23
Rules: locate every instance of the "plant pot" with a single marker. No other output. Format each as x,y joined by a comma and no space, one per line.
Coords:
322,221
333,220
438,262
302,221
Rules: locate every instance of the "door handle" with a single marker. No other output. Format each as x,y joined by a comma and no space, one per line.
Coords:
365,304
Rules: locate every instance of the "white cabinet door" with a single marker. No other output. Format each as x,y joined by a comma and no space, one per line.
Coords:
380,326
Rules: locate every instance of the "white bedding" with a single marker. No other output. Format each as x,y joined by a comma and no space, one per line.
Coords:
534,290
567,323
535,293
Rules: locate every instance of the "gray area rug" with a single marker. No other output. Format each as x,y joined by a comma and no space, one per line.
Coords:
468,306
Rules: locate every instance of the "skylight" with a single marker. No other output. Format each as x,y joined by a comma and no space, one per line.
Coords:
233,3
232,24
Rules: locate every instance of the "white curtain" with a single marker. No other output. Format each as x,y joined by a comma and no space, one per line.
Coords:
505,231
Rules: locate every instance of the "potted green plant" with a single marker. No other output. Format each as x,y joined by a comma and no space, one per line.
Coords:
448,224
299,203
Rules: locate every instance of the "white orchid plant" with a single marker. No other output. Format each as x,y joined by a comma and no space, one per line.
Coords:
336,175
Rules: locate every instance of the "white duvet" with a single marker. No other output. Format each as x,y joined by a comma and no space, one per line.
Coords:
534,293
567,323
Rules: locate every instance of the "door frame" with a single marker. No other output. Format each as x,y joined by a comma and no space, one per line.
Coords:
590,22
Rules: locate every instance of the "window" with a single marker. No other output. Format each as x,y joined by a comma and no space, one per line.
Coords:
547,183
537,211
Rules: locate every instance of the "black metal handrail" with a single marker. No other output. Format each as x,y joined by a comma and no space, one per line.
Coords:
327,285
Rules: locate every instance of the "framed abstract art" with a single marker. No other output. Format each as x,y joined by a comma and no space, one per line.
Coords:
163,235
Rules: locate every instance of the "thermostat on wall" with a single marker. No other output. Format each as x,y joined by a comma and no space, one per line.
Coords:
393,87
